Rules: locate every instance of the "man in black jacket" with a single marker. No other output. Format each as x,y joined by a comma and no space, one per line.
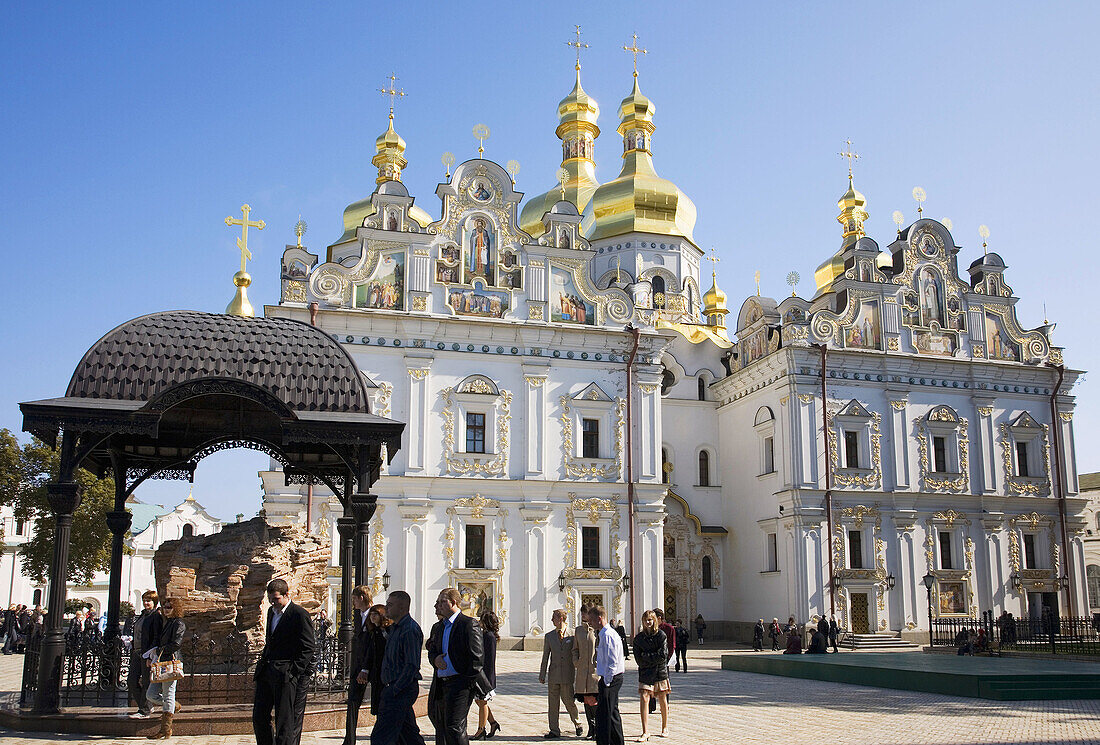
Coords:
283,670
456,649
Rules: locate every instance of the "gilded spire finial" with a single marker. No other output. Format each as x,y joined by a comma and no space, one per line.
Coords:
578,45
481,134
240,306
392,92
919,196
847,153
300,229
618,270
983,231
756,277
713,259
635,50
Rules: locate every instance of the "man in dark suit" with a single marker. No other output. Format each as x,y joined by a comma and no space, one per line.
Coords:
283,670
455,647
360,661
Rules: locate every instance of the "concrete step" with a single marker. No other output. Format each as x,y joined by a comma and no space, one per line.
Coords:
876,641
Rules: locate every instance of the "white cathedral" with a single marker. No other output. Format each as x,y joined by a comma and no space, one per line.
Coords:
584,427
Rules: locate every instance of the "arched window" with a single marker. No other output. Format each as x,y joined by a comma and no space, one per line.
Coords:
658,291
667,381
1092,578
37,597
188,530
666,467
704,468
708,574
702,389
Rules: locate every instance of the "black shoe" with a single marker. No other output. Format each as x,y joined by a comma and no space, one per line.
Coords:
552,735
580,730
494,727
479,735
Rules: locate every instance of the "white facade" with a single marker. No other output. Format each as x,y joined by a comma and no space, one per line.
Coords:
152,525
706,483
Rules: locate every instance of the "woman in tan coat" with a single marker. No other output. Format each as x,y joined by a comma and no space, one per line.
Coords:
587,682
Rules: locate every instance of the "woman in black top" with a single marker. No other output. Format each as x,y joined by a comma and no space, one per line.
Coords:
651,654
379,629
168,648
490,629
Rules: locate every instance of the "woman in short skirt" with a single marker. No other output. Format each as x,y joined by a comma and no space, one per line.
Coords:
651,654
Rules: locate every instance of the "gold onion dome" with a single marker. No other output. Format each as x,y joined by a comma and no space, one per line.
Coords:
852,215
638,201
714,302
577,130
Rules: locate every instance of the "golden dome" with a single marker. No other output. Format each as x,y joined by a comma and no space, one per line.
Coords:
390,158
714,302
852,216
577,130
638,201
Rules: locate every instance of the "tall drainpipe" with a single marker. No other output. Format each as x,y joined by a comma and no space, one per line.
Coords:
630,466
1060,491
828,482
313,307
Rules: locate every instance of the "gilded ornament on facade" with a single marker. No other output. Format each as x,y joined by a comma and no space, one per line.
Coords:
985,410
597,509
1023,485
420,302
855,478
961,480
534,311
1066,416
418,373
494,465
295,291
899,405
574,466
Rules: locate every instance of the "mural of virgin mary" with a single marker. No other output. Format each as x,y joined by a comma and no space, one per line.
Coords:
480,250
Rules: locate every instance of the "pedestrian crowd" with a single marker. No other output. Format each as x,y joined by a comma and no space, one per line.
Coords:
811,638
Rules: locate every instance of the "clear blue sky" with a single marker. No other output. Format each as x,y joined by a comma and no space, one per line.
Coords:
129,131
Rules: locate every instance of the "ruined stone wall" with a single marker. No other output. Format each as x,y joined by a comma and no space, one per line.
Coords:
222,578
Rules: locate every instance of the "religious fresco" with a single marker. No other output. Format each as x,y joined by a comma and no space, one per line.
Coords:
577,148
296,269
483,303
480,251
567,304
935,341
477,598
999,345
635,140
930,298
480,191
753,348
866,330
386,290
952,598
510,274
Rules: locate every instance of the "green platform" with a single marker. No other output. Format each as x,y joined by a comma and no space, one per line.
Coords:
1002,679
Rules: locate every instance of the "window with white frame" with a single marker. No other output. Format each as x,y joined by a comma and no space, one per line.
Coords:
475,432
702,389
475,546
1092,579
947,549
708,574
1031,557
855,549
853,424
764,424
590,438
592,415
1026,447
704,468
942,428
771,552
590,547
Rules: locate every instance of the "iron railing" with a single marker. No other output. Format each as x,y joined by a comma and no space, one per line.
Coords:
1044,634
217,672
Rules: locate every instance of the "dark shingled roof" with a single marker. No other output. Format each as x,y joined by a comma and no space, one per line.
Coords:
297,362
1089,481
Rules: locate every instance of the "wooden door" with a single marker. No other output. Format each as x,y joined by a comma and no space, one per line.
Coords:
860,622
670,603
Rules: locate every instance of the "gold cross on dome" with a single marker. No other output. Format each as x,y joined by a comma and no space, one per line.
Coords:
578,45
756,277
849,155
633,48
245,223
713,264
392,92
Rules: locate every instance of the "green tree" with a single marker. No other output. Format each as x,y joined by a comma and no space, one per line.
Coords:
24,474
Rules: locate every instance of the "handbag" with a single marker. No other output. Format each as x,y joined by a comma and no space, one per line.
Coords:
167,671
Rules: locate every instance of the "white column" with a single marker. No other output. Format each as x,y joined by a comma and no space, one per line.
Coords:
899,438
535,413
648,423
805,436
414,565
538,588
984,444
1068,456
417,429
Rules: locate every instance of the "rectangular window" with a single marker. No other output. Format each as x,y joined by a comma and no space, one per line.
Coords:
20,525
1021,460
769,455
1029,551
475,546
939,454
851,450
855,549
945,551
590,438
475,433
590,547
771,559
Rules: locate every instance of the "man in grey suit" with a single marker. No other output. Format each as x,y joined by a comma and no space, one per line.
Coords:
557,673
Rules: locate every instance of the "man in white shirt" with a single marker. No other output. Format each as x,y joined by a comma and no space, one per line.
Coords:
610,665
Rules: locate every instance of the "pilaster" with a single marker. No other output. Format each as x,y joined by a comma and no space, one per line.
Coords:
899,437
984,443
416,430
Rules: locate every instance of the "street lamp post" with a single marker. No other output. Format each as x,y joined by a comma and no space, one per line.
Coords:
928,581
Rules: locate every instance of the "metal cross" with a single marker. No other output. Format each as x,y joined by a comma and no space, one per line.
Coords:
392,92
756,276
849,155
245,223
578,45
712,259
636,51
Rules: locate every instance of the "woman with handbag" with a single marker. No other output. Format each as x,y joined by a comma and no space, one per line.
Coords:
167,666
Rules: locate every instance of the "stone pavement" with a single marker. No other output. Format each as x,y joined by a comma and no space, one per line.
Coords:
713,706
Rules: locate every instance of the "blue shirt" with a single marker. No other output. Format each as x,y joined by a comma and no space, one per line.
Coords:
401,662
447,626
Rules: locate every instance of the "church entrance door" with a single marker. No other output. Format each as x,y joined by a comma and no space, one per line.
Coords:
670,603
592,600
860,623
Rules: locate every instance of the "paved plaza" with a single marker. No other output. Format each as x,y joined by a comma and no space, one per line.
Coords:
713,706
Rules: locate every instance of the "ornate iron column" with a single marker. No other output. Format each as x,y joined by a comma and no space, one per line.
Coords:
363,507
345,526
118,521
64,498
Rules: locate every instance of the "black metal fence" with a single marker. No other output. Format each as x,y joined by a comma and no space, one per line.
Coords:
95,672
1045,634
